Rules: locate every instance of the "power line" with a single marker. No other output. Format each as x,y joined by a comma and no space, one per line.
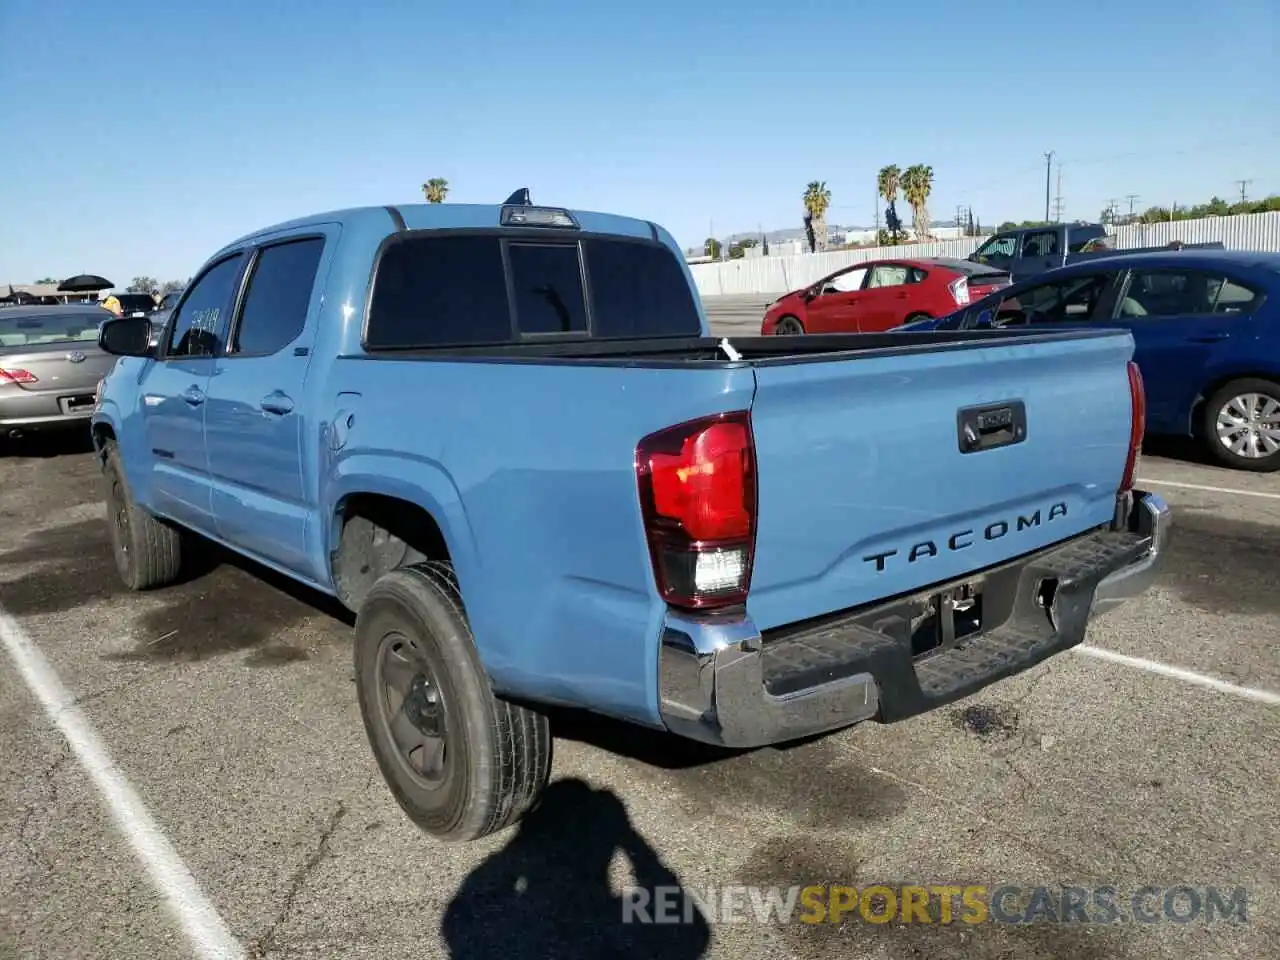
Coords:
1048,173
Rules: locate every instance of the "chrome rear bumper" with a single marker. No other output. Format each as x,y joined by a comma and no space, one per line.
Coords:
721,681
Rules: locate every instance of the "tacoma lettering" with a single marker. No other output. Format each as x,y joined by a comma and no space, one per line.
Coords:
966,538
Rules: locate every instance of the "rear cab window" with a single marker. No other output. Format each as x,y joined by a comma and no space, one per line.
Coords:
439,289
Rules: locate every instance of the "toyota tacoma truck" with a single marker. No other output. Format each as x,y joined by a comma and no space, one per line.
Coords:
504,437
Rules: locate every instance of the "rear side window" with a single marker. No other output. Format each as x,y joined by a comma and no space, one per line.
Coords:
201,321
279,293
639,290
1173,293
439,291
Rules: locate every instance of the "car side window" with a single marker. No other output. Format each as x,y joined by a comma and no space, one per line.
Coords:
847,282
887,275
277,297
200,323
1178,292
1060,301
999,246
1041,243
916,275
1235,297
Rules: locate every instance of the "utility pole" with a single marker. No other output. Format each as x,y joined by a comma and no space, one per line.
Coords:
1048,175
1109,214
1057,200
1243,185
1132,198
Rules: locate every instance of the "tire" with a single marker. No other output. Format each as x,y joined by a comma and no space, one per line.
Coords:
917,316
492,758
148,553
788,326
1263,396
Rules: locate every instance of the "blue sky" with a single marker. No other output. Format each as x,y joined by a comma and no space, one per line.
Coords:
140,135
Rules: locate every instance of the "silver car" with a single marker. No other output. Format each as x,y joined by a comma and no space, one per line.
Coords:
50,365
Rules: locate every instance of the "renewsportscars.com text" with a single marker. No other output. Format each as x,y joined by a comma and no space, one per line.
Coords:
935,904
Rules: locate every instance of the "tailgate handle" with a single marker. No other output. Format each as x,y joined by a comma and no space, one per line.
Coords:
991,426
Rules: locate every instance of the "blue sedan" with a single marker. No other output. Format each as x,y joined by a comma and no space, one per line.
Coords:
1206,329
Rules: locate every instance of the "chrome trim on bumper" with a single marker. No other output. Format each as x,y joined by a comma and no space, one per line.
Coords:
711,670
1149,516
712,689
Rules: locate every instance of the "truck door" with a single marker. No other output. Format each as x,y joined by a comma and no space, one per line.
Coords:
255,415
1041,250
173,394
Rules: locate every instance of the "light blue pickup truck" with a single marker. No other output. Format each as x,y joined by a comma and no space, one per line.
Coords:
503,436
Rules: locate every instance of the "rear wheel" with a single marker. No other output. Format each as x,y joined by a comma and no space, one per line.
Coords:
1242,424
917,316
788,326
148,553
461,762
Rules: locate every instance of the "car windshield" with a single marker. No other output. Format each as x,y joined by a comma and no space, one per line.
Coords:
24,331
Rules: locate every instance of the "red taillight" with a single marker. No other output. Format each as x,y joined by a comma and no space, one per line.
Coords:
959,288
13,375
698,497
1137,426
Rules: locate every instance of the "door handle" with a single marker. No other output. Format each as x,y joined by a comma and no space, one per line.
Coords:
276,402
1208,338
193,395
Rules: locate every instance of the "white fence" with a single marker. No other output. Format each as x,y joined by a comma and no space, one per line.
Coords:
1251,231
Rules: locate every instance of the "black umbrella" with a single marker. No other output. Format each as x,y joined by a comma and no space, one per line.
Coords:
84,283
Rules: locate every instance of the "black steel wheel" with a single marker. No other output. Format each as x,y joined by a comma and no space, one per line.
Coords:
461,762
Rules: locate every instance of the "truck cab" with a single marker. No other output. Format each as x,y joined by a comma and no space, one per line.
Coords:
1029,250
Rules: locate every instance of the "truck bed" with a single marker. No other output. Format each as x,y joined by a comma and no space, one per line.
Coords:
756,350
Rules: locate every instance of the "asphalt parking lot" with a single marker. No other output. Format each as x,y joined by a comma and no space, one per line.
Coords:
217,732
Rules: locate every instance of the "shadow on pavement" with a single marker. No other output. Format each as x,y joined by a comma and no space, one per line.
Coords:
48,444
547,893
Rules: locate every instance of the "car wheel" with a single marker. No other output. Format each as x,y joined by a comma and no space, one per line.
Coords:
917,316
1242,424
148,553
461,762
788,326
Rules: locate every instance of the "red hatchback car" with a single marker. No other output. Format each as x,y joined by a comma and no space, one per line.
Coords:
881,294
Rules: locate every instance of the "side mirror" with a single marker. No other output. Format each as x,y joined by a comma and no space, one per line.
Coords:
126,337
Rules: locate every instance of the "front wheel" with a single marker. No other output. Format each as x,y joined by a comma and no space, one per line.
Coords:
461,762
148,553
1242,424
788,326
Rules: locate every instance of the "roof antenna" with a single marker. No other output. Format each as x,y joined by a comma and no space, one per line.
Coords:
519,199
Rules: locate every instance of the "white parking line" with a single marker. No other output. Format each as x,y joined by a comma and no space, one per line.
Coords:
208,932
1177,673
1200,486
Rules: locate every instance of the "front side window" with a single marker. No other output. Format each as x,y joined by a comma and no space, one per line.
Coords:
849,282
999,246
200,324
277,298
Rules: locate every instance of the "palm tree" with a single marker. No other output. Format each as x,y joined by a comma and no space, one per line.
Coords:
436,189
917,184
887,182
817,198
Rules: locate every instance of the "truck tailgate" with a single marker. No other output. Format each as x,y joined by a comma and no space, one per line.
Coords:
865,493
